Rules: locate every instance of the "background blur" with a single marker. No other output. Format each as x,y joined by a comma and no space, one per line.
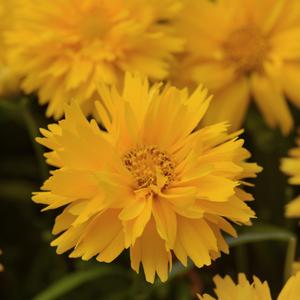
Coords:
34,271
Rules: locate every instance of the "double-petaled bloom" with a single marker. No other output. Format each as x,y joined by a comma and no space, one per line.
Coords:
243,49
63,48
149,182
244,290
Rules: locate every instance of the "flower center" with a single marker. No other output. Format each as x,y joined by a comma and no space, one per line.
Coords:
247,48
150,166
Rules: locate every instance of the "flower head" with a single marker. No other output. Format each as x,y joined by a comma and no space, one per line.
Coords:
241,49
244,290
291,167
63,48
149,181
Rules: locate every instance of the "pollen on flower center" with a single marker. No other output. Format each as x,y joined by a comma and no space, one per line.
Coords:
147,163
247,48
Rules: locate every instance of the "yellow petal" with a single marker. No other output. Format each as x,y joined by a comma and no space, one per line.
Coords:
216,188
165,220
197,239
150,250
291,82
291,290
272,103
71,183
230,104
134,228
101,235
213,75
292,209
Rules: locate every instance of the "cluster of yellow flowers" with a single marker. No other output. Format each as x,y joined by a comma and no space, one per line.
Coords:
157,171
62,49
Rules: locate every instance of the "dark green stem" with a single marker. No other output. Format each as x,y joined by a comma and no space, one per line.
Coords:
270,234
33,130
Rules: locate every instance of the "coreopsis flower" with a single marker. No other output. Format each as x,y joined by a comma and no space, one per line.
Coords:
63,48
226,288
291,167
244,290
243,49
9,81
148,182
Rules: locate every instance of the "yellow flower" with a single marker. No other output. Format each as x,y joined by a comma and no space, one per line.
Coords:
291,167
244,290
63,48
241,49
8,79
149,182
291,290
226,289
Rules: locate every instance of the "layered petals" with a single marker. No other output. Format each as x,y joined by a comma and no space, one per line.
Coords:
227,289
151,180
253,52
63,49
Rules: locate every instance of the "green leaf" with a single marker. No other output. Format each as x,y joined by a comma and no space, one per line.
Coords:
72,281
265,232
260,233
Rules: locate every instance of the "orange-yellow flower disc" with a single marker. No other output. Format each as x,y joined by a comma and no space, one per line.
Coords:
63,48
291,167
244,290
243,49
149,182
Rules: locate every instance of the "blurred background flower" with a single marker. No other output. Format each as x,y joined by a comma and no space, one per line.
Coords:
291,167
243,49
227,289
62,49
244,290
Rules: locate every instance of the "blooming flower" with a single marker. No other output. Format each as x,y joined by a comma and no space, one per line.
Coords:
291,166
63,48
149,181
244,290
241,49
